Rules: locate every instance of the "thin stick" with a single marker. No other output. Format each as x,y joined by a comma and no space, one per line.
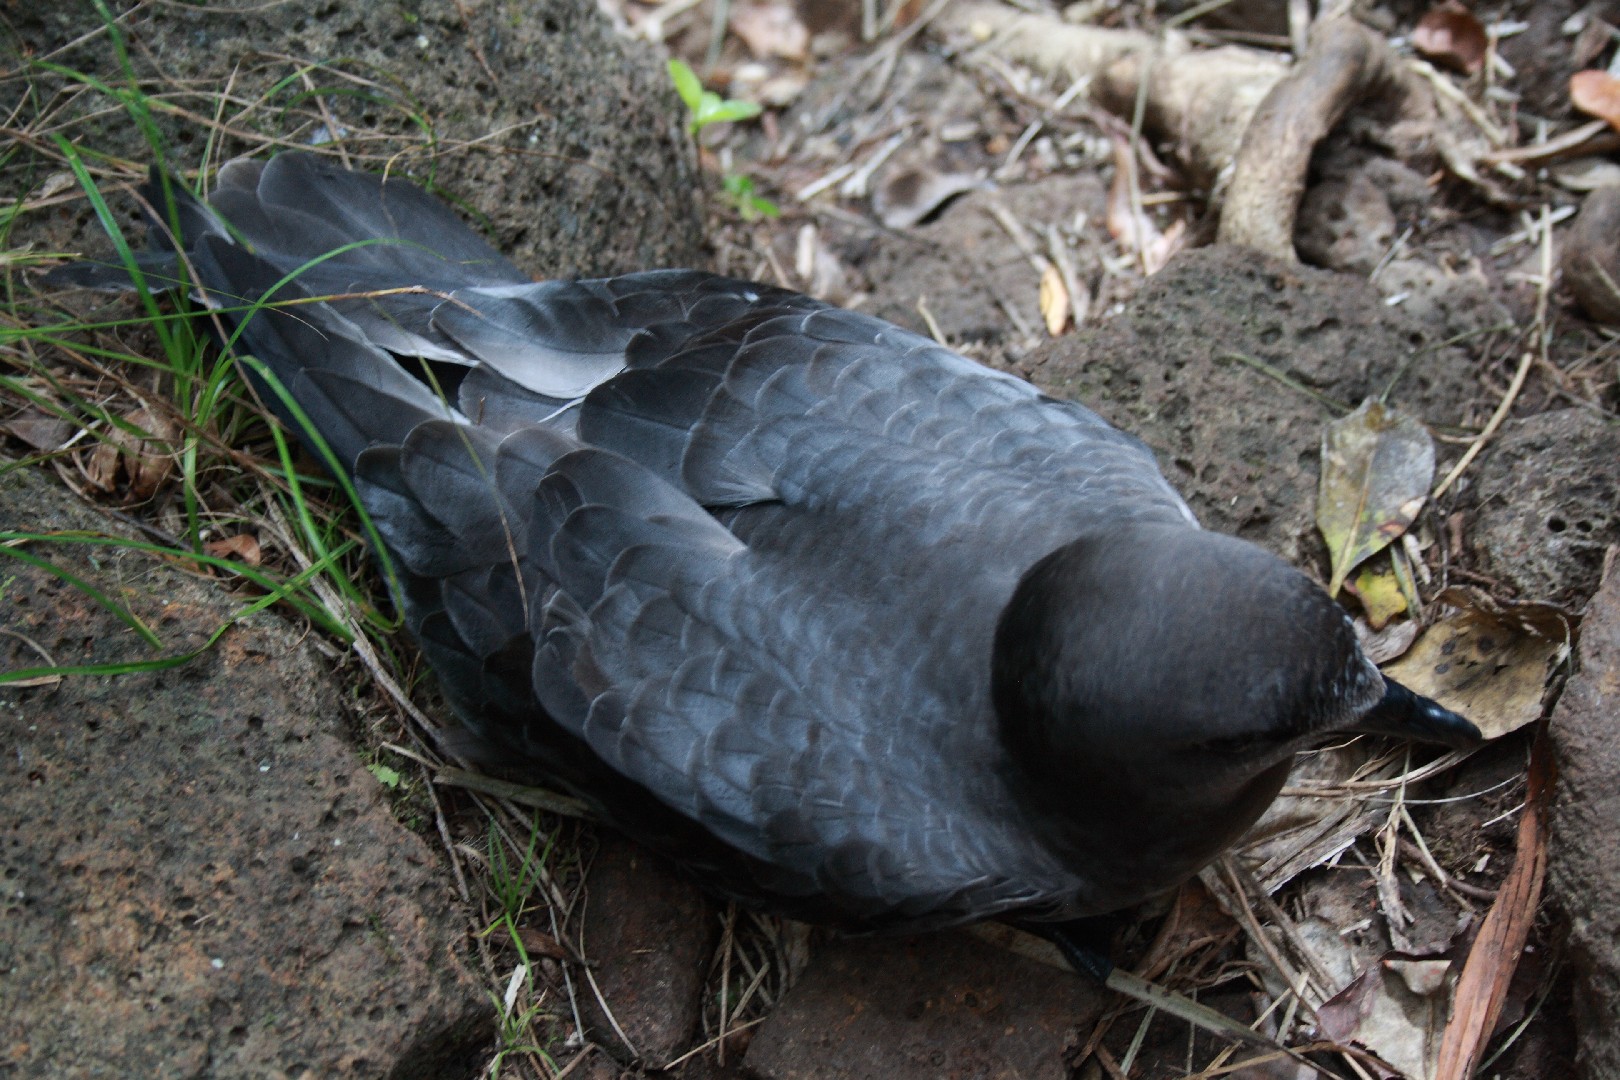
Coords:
1497,417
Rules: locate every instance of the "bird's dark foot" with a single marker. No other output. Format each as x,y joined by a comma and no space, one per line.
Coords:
1087,944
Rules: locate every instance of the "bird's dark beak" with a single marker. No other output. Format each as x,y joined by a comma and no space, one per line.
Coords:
1406,715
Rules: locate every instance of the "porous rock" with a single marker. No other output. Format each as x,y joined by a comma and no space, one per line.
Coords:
201,878
1584,858
1545,502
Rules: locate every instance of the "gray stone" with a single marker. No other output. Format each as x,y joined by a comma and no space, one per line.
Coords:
1192,367
566,136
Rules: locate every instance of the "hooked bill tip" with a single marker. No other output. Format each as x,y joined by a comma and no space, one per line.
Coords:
1406,715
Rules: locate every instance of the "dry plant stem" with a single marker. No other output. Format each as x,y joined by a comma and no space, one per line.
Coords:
1591,138
1502,409
1345,62
1483,985
523,795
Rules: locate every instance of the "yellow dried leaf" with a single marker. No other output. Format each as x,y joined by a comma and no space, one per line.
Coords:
1381,595
1377,465
1487,662
244,547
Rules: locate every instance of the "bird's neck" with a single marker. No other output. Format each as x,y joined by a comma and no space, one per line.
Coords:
1134,832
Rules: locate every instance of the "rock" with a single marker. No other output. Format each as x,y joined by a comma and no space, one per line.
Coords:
1199,332
1345,223
941,1005
1584,857
1545,501
565,135
648,935
1590,257
201,877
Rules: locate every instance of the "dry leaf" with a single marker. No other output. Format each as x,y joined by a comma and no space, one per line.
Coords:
1489,663
540,943
244,547
1054,301
1453,37
1340,1017
145,456
1596,93
1169,242
1374,1009
39,430
1423,977
1384,645
101,467
1377,465
1380,593
1483,986
770,30
1127,223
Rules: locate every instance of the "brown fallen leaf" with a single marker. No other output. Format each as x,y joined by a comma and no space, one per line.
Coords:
1340,1017
243,547
770,30
101,467
540,943
1377,465
141,449
1452,36
1596,93
39,430
1488,662
1488,972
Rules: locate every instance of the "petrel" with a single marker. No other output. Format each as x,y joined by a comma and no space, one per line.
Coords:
846,624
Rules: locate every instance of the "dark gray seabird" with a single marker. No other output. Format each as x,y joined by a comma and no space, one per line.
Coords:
848,625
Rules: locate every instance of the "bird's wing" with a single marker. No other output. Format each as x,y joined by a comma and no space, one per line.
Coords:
583,613
811,680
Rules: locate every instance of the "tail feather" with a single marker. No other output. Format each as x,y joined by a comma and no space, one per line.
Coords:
353,393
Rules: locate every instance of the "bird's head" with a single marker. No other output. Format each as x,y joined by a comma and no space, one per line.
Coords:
1157,680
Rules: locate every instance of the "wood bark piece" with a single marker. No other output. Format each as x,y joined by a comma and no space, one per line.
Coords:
1345,63
1044,42
1483,986
1201,99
